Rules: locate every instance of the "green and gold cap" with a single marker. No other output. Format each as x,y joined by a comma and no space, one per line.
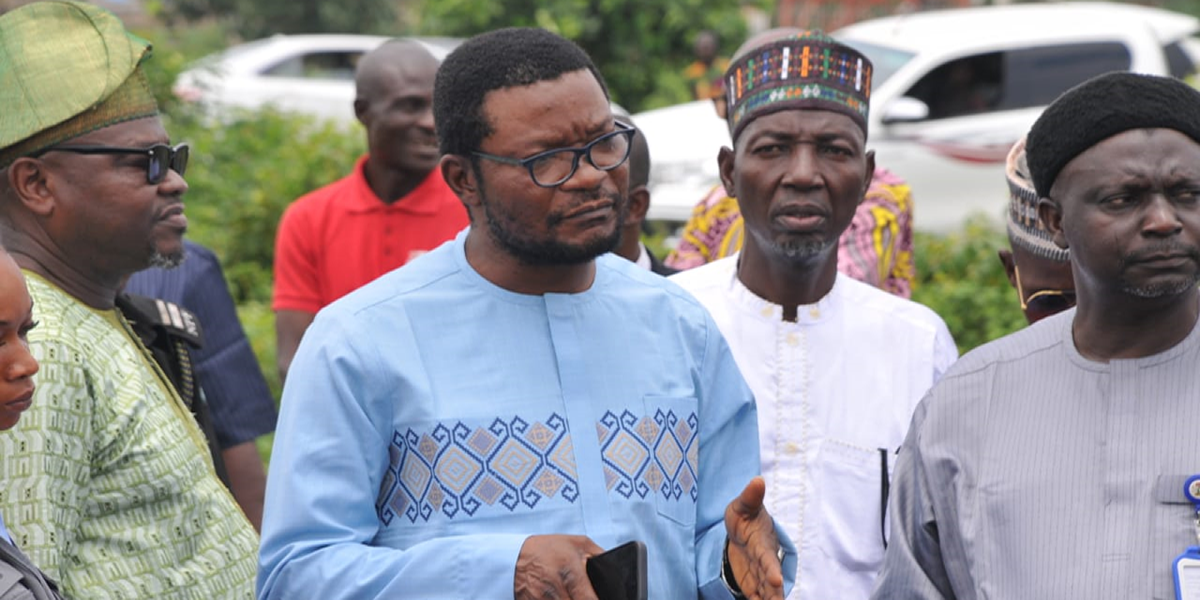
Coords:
66,69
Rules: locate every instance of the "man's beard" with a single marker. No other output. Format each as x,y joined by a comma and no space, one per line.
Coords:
166,261
1161,290
1171,287
550,252
794,251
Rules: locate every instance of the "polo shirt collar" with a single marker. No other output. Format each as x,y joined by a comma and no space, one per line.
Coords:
426,199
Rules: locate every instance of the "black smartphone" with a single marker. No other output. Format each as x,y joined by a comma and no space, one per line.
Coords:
620,573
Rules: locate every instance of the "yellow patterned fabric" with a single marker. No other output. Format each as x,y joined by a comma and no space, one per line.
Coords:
705,80
108,486
66,68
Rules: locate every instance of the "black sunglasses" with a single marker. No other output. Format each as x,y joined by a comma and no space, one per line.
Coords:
161,156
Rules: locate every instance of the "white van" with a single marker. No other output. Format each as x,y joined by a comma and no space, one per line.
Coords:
954,89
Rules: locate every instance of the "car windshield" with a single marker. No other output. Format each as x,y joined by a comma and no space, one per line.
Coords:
885,59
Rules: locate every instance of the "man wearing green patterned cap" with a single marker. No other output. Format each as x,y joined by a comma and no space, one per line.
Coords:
108,485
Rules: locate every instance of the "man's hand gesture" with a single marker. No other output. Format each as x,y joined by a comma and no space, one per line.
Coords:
752,545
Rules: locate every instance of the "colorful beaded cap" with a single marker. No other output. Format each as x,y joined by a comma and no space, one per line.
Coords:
808,70
1024,227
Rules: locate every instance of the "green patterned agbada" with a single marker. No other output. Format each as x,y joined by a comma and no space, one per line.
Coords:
106,484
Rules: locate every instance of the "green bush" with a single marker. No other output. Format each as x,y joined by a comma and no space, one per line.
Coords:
960,278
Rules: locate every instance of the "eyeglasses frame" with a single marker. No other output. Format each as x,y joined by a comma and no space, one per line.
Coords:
1068,294
585,150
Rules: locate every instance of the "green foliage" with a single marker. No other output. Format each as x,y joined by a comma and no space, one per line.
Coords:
641,46
173,50
259,322
961,279
253,19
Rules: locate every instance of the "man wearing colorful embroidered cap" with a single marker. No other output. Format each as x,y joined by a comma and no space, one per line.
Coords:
1038,269
481,421
1052,463
876,248
393,207
108,484
837,366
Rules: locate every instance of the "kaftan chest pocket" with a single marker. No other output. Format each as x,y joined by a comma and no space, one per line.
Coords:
850,507
1172,527
659,456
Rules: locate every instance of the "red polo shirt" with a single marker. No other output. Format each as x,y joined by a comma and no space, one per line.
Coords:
336,239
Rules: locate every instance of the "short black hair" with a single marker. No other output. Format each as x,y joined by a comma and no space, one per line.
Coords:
504,58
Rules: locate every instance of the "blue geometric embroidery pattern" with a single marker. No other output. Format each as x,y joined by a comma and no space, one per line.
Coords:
456,470
651,454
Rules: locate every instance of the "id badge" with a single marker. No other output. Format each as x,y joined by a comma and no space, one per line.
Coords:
1187,574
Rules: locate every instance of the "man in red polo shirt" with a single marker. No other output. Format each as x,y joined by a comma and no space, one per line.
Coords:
392,207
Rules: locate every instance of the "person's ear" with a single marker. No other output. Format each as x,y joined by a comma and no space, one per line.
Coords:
460,175
30,181
1050,214
725,164
1010,266
361,106
870,160
639,204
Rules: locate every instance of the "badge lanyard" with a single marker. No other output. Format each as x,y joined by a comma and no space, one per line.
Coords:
1187,566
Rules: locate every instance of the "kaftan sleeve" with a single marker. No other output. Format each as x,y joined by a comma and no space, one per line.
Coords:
729,458
329,457
913,568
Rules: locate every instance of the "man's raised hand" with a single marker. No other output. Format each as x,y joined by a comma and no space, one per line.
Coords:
752,544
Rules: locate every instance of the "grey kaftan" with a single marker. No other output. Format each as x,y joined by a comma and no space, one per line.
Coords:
1030,472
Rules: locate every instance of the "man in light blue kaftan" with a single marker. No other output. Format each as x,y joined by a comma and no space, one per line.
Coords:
479,422
588,413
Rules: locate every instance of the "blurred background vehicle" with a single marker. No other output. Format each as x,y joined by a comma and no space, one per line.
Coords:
953,90
683,141
309,74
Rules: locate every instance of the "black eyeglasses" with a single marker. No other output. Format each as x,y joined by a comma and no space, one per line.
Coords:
554,167
1043,303
161,156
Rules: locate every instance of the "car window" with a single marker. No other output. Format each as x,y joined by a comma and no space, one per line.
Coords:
963,86
886,60
1179,62
337,65
1036,76
1014,79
